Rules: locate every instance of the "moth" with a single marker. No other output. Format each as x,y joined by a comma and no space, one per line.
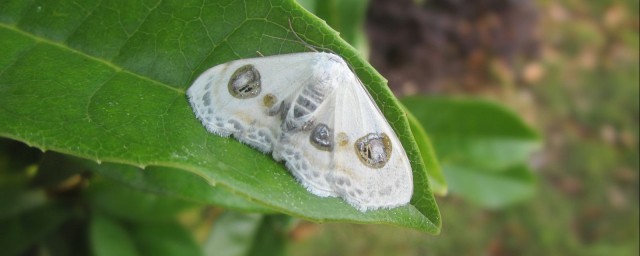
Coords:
312,112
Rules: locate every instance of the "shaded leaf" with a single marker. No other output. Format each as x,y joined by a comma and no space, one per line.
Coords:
54,169
110,237
15,159
14,201
133,205
21,231
164,238
177,183
272,235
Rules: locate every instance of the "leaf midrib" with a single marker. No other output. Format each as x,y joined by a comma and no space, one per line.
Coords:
116,68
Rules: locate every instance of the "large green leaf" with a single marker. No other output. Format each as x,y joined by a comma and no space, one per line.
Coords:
483,148
106,81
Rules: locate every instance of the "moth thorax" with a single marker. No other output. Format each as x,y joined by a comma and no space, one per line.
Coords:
373,149
309,99
245,82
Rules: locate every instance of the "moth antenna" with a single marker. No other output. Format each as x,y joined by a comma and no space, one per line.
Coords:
299,38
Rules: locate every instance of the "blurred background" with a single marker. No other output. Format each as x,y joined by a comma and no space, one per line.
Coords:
568,68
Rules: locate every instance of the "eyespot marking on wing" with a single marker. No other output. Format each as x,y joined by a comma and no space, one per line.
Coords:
322,137
245,82
374,149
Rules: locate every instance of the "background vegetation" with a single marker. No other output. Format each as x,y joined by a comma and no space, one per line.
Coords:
570,69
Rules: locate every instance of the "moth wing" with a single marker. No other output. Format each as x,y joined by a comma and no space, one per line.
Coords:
362,185
310,164
348,114
228,101
250,114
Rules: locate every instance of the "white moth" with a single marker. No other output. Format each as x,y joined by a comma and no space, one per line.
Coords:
311,111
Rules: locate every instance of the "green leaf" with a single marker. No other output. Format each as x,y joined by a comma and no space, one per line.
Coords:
483,148
236,234
491,189
16,161
176,183
106,81
164,238
72,238
233,234
18,232
54,169
346,17
110,237
14,201
436,178
133,205
272,235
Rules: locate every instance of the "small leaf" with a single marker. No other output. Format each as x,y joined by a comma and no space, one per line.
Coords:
436,178
491,189
482,147
238,234
233,234
346,17
110,237
164,238
272,235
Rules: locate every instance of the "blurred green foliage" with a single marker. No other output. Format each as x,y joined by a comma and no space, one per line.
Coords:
585,102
